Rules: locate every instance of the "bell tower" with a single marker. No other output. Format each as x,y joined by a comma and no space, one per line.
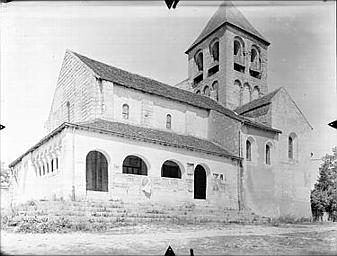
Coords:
228,60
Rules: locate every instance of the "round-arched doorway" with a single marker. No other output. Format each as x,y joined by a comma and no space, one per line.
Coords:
200,181
96,172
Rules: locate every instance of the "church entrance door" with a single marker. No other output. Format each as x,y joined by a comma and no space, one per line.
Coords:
199,182
96,172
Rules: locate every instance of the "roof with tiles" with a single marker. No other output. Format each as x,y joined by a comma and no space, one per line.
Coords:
227,13
147,85
132,132
161,137
257,102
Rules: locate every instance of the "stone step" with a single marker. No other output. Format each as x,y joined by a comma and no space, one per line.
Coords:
117,211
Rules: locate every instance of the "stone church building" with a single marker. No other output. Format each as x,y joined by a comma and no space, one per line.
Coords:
218,138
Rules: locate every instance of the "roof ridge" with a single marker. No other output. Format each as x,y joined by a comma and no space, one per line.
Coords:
131,73
151,86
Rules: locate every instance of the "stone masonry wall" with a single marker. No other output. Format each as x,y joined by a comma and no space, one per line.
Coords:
222,173
78,86
232,75
226,74
260,180
295,174
224,131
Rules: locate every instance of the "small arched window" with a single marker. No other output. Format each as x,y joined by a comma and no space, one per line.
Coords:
237,48
57,163
215,50
207,91
246,93
170,169
68,111
292,146
255,93
248,150
44,170
168,121
215,89
268,152
253,55
134,165
237,93
125,111
199,60
52,165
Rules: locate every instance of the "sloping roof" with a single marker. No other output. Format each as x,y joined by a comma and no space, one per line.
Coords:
147,85
227,13
257,102
141,134
158,137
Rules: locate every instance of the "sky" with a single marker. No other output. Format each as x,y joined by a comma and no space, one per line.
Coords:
148,39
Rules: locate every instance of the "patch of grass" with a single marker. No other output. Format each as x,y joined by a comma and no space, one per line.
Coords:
288,219
58,224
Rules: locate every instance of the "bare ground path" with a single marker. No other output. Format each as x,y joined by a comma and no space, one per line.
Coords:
205,239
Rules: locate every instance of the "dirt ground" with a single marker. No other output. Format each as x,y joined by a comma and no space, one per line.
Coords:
205,239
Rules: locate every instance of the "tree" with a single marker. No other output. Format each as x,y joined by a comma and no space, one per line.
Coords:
324,194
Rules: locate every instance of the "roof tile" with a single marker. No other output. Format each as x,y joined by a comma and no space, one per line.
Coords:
266,99
158,137
141,83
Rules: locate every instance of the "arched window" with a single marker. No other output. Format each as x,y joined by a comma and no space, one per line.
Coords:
292,146
255,93
237,48
246,93
170,169
198,92
237,93
168,121
253,55
125,111
68,111
57,163
47,164
52,165
96,172
44,170
268,152
248,150
40,171
207,91
214,49
134,165
199,60
215,89
255,58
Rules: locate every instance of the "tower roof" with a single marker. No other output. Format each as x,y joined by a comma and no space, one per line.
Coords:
227,13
